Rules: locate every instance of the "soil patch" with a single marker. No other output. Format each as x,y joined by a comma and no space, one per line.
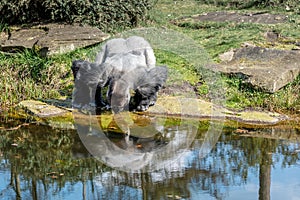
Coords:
184,89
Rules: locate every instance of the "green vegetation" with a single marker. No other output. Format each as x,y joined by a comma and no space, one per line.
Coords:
106,14
289,5
28,76
179,69
219,37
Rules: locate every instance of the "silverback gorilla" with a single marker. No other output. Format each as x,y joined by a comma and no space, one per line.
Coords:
123,65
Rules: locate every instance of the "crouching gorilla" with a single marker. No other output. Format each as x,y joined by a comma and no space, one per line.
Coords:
145,84
123,65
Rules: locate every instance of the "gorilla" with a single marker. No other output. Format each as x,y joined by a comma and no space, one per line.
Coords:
134,45
145,85
125,66
89,78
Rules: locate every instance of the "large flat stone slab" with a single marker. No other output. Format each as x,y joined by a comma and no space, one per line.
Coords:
50,115
21,39
165,106
267,69
51,39
41,109
197,108
230,16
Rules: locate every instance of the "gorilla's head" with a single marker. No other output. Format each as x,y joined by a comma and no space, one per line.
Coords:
148,86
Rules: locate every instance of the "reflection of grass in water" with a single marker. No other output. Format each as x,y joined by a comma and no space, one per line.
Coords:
41,161
43,153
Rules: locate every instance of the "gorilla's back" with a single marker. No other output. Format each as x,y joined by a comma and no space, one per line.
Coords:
121,47
126,62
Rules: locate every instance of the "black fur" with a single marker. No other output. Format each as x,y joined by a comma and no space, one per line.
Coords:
148,86
90,78
124,65
145,85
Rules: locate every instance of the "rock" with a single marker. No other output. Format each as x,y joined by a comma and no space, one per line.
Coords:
258,17
65,38
56,117
51,39
196,108
21,39
271,36
227,56
41,109
50,115
267,69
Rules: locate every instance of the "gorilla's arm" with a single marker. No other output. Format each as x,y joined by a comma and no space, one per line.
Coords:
89,78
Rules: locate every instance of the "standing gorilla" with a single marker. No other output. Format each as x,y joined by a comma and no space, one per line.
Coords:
122,65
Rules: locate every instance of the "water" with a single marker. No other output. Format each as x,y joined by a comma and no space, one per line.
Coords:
193,160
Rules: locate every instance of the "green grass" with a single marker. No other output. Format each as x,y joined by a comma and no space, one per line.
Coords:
28,76
179,69
219,37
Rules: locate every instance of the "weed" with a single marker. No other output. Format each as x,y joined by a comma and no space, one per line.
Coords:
4,27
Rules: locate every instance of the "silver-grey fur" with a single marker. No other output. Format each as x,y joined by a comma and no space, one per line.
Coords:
122,65
134,45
